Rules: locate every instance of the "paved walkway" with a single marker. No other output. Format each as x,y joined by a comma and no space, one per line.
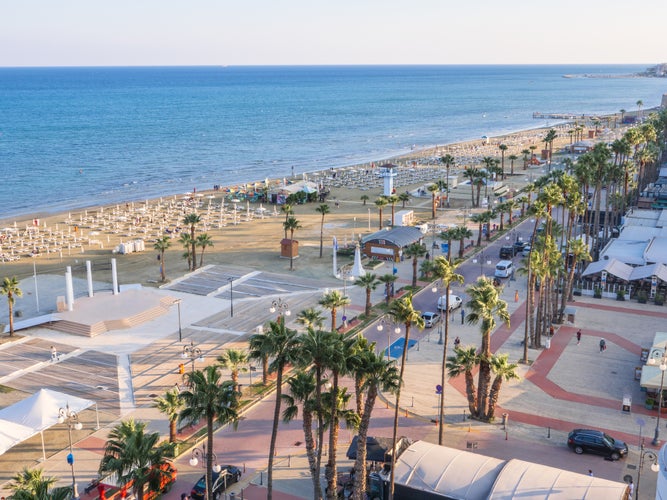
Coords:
566,386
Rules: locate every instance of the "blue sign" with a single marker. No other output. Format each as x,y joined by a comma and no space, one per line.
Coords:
438,389
444,247
70,459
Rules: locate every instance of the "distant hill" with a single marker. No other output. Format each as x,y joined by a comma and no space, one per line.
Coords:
658,71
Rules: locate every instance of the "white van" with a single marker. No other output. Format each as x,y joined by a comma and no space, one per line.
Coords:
504,269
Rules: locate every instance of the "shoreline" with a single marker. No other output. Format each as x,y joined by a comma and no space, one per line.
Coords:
415,155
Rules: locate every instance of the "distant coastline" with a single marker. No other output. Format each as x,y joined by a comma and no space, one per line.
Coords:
657,71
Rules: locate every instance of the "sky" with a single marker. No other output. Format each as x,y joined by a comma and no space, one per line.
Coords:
306,32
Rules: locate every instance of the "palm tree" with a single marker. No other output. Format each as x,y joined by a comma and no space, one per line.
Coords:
187,243
485,303
234,360
310,318
392,200
526,154
288,210
333,300
170,405
211,399
449,235
135,455
640,105
388,280
381,202
323,209
370,282
503,148
203,241
445,272
31,484
464,361
291,225
364,198
283,350
161,245
463,233
402,312
512,158
192,220
415,250
448,160
378,374
471,174
549,141
404,198
433,189
302,393
622,111
10,288
316,348
504,370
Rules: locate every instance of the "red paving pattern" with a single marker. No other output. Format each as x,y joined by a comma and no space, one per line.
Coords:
546,360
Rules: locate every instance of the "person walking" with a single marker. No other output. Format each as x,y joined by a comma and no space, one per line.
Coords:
631,488
603,345
54,354
579,336
457,343
590,472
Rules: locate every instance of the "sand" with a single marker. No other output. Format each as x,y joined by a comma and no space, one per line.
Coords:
256,243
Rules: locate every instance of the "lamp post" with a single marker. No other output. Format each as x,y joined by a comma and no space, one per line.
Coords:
281,306
438,289
71,418
381,324
344,274
199,454
180,330
662,359
481,258
643,455
193,352
231,297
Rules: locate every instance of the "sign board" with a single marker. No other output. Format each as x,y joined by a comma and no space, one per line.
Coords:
438,389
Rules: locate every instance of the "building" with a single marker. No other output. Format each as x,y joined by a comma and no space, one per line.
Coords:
388,244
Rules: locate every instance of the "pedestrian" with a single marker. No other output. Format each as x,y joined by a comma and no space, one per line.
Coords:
184,496
457,343
631,488
548,343
590,472
551,331
579,336
463,315
603,345
54,354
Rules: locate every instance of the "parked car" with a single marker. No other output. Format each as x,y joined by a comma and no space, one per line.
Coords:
430,319
518,246
229,474
454,302
598,442
507,251
504,269
526,250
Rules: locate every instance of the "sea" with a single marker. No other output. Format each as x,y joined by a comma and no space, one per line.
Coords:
74,137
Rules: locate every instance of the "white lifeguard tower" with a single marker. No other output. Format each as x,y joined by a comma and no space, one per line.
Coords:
388,173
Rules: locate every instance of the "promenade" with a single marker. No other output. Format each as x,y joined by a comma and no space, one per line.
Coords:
566,386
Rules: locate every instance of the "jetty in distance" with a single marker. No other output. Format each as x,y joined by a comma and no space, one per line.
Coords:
555,116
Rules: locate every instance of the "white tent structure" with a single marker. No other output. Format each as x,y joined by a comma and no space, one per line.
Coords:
35,414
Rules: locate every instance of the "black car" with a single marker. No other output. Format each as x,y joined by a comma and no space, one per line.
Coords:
591,441
229,474
507,252
518,246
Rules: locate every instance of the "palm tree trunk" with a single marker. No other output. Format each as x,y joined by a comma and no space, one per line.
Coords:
172,430
470,392
396,409
360,462
310,452
209,457
274,432
330,469
493,398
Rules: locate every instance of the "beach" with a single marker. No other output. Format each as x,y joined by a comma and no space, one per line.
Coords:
249,233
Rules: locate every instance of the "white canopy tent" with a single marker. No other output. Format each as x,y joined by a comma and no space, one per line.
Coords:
35,414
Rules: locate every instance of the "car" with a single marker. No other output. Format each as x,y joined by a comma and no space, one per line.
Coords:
598,442
454,302
430,319
526,250
507,251
229,474
518,246
504,269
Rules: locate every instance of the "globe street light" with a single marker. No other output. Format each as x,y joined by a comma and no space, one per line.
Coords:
200,455
344,274
193,352
481,258
71,418
386,322
281,306
662,359
643,454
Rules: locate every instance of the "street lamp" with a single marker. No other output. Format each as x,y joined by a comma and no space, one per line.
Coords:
281,306
180,331
231,297
381,324
199,454
438,289
193,352
643,454
662,359
71,418
344,274
481,258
